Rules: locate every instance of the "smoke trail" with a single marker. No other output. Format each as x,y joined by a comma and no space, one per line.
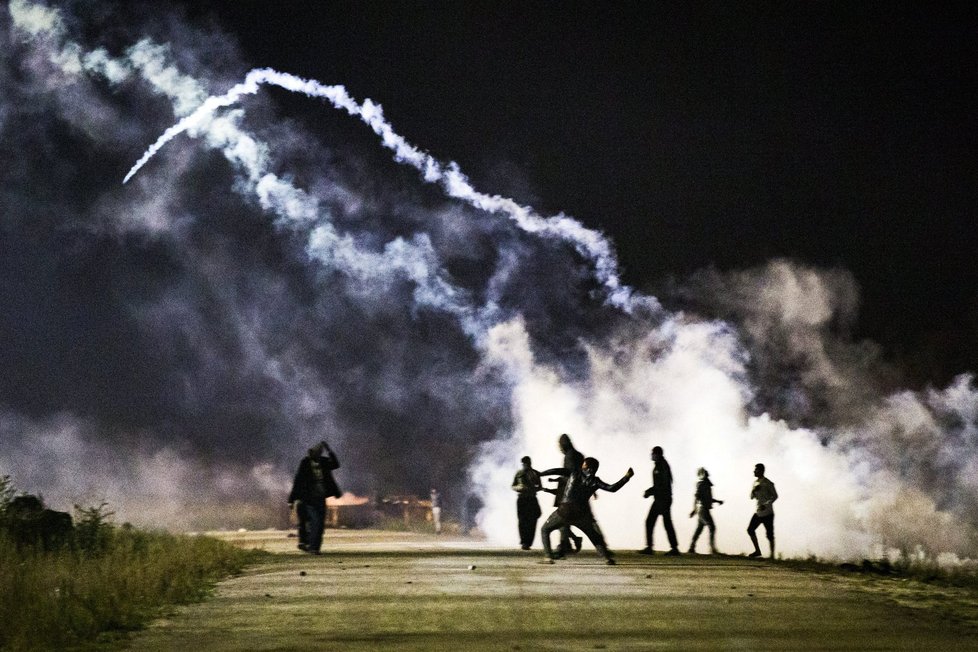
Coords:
589,243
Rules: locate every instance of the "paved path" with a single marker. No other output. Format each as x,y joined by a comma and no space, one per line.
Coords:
396,591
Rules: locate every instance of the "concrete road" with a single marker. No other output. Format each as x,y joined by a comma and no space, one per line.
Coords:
397,591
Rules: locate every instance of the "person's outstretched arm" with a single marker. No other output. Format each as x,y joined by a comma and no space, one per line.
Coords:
556,471
616,486
535,480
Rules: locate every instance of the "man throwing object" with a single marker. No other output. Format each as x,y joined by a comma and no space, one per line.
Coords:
574,507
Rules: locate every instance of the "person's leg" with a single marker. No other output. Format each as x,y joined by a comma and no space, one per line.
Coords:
316,520
575,541
565,545
553,522
696,535
670,530
521,521
592,531
302,525
526,524
650,526
755,521
534,518
769,531
706,518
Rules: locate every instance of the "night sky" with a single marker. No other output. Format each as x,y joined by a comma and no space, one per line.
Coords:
741,231
712,134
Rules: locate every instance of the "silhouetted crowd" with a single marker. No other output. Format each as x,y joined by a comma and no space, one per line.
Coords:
577,482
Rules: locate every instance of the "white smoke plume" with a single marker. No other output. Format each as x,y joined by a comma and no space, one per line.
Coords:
148,486
479,362
450,177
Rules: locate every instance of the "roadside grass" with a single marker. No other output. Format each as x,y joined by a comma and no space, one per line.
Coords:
111,580
926,569
964,575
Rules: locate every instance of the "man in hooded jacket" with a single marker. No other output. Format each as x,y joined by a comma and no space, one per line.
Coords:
574,506
313,483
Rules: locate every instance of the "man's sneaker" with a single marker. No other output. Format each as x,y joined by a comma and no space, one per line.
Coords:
610,561
547,559
646,551
673,553
756,553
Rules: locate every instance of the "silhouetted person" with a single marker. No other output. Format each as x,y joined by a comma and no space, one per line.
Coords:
301,514
575,508
312,484
526,484
764,494
470,510
436,510
702,504
661,492
573,459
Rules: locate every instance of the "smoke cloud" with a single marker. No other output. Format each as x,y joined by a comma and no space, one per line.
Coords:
174,347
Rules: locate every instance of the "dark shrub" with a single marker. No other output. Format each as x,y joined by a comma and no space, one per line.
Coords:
29,523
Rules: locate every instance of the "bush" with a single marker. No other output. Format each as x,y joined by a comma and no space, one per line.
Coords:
93,529
6,494
114,579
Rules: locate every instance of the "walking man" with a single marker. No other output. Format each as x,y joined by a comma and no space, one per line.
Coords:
526,484
575,509
764,494
312,484
661,492
702,504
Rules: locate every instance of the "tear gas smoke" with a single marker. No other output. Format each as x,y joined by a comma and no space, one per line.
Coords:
433,345
591,244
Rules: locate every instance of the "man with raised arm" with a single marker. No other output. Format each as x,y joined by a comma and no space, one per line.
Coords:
313,483
574,507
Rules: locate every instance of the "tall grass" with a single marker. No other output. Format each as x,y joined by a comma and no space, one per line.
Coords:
904,566
928,569
116,582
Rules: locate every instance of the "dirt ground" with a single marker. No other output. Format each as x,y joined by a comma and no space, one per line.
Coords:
402,591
